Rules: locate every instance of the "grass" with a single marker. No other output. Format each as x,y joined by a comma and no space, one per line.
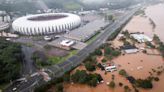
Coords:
58,59
92,38
3,86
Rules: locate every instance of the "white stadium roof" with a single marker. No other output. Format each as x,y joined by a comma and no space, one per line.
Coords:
46,23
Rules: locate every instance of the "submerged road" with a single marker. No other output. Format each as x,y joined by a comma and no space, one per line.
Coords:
57,70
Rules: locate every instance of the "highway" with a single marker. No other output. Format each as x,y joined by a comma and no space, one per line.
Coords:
59,69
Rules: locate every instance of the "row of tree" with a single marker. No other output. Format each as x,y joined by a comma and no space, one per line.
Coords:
10,60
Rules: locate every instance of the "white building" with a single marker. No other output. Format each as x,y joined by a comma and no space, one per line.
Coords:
4,26
110,68
67,43
48,23
141,38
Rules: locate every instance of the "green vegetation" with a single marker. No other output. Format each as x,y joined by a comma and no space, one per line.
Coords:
98,52
160,44
59,87
81,76
57,82
90,67
156,79
114,34
126,34
161,49
92,38
103,60
144,83
10,60
55,59
156,39
126,42
149,44
43,62
117,31
40,59
111,51
127,89
123,73
112,84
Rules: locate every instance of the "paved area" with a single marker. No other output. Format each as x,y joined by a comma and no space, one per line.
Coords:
86,31
78,45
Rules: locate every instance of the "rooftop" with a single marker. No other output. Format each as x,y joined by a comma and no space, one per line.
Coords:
46,17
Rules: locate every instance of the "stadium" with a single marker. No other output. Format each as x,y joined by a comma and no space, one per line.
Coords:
48,23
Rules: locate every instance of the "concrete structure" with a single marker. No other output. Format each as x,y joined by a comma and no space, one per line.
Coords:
77,44
4,17
87,31
48,23
141,38
10,35
129,49
4,26
67,43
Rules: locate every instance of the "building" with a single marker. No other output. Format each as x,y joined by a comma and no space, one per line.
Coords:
67,43
129,49
141,38
48,23
4,26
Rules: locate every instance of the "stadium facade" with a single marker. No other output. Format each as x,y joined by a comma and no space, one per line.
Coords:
48,23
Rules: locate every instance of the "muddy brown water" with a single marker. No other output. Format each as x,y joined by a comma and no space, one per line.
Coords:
130,62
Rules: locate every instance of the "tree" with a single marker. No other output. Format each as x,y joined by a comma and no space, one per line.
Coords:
66,77
127,89
156,79
98,52
10,60
112,84
104,60
90,67
59,87
123,73
147,84
107,51
93,82
115,53
81,76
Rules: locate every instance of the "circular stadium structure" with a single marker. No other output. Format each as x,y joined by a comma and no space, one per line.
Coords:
48,23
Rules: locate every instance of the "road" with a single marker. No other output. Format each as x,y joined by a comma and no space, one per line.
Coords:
28,64
32,82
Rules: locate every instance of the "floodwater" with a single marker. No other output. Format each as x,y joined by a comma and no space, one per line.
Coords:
156,13
138,65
